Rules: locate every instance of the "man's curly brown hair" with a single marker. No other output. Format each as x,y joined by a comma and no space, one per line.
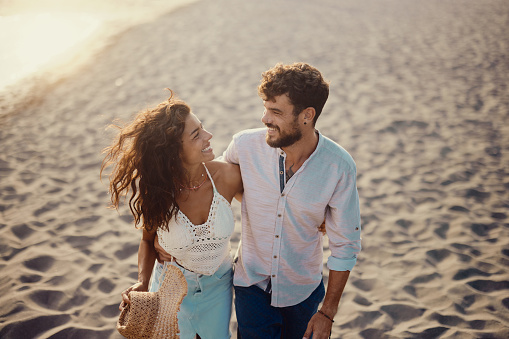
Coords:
303,84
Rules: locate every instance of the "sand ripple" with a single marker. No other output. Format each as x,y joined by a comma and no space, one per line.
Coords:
419,97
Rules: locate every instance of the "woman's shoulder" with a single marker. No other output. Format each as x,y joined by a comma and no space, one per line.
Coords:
217,167
226,177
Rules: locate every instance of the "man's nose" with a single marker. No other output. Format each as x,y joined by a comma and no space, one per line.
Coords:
265,117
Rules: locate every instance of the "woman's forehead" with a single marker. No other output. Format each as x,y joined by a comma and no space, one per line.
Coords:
192,122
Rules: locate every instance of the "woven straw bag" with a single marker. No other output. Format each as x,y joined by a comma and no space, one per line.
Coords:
153,315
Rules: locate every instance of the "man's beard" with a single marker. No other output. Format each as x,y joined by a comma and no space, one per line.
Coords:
285,139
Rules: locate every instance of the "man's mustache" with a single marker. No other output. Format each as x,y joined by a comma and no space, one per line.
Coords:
272,126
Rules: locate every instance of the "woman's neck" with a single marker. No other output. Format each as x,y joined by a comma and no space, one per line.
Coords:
194,174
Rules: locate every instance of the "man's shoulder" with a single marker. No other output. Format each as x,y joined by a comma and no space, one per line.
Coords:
250,137
333,150
254,133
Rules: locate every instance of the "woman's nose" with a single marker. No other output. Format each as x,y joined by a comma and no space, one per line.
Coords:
208,135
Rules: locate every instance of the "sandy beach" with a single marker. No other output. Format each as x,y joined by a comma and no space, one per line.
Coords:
419,97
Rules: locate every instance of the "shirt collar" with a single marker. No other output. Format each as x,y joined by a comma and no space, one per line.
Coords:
319,145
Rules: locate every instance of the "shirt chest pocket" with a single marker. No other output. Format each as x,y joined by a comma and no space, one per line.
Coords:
312,208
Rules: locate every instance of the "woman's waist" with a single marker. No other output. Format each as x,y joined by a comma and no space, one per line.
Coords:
205,265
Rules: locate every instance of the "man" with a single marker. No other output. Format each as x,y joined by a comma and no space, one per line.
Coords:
294,178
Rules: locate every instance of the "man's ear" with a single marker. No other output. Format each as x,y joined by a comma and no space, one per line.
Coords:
309,115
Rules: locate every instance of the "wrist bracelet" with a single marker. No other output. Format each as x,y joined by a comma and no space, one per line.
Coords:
325,315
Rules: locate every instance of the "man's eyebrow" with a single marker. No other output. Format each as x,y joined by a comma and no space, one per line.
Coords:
274,109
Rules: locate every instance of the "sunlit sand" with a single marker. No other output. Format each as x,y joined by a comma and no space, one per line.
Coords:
34,40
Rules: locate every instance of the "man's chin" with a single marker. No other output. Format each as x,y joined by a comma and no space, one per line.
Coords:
272,142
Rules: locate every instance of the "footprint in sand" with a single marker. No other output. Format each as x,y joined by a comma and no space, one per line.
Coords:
126,251
459,209
32,328
110,311
478,195
57,300
22,231
30,279
106,286
41,264
505,302
74,332
400,312
498,215
489,285
363,320
50,206
438,255
361,301
483,230
442,229
364,284
372,333
470,272
423,279
448,320
434,332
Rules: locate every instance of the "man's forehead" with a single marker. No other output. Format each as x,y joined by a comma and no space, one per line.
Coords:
277,101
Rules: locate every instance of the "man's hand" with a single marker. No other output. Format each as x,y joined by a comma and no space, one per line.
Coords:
321,228
319,326
161,254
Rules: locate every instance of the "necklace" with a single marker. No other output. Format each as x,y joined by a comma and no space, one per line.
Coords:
194,187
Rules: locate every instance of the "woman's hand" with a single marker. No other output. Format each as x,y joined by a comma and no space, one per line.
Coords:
138,287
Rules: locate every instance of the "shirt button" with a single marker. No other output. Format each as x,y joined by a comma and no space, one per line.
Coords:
273,276
283,195
277,236
275,256
279,215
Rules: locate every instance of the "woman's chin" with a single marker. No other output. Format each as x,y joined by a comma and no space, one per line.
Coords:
209,156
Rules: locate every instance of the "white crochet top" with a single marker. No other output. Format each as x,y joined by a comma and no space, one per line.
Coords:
200,248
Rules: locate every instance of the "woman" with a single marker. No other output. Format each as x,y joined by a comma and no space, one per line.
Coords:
181,198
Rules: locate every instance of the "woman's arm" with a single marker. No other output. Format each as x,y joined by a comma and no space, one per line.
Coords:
146,259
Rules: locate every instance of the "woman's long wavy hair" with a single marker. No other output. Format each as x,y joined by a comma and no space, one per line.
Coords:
146,161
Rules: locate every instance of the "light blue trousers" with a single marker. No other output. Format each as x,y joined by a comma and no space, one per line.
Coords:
207,307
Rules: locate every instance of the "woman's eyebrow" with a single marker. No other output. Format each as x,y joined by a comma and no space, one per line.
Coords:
196,130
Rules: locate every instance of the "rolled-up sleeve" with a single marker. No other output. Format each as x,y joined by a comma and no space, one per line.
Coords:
343,224
230,154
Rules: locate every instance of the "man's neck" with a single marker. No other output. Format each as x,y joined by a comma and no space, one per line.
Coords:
300,151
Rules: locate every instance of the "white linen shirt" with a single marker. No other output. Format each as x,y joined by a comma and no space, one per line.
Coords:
280,239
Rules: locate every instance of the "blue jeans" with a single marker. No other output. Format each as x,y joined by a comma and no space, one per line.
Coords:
257,319
206,310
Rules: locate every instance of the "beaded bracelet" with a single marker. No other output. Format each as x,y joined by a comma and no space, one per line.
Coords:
325,315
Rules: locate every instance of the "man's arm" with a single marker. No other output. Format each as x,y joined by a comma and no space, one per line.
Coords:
342,219
320,324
